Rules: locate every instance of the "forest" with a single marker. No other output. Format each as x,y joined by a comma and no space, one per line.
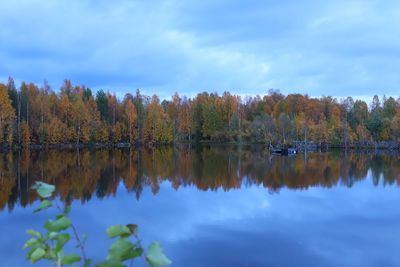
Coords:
39,115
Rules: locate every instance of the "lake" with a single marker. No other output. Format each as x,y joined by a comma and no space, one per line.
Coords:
215,206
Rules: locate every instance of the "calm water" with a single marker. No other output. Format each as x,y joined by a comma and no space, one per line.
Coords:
220,206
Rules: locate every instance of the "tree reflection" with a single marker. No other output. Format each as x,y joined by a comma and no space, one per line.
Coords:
79,175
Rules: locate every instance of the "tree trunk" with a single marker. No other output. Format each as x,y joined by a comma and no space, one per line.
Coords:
27,112
1,133
79,132
229,120
305,139
130,132
19,119
114,115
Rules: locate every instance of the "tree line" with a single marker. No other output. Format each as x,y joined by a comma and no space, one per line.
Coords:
32,114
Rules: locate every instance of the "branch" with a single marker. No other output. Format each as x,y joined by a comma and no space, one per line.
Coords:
81,245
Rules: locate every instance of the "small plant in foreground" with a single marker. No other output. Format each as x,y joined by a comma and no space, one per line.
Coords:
50,245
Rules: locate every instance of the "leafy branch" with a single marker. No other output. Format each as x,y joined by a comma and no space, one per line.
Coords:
50,245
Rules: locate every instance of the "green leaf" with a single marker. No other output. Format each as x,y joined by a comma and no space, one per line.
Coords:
118,230
62,239
155,256
121,250
87,263
50,255
44,190
30,242
137,252
52,235
70,258
133,228
58,225
43,205
37,255
34,233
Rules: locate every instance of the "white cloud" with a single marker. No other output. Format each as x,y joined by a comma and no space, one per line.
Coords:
337,48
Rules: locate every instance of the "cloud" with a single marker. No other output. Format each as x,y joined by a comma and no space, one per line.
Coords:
334,48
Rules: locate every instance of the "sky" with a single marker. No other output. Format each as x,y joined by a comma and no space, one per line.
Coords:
319,48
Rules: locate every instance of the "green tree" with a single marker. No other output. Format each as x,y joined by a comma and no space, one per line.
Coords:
263,129
102,105
374,123
360,112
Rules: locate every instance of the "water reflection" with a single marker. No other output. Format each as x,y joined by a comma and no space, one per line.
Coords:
80,175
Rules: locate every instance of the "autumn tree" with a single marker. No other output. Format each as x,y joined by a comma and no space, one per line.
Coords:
65,108
118,132
93,116
25,134
139,101
284,127
56,131
230,107
185,118
360,112
301,127
173,108
14,96
7,116
157,124
131,117
38,115
395,128
80,119
197,115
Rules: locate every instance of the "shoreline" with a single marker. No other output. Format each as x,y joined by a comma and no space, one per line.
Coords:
311,146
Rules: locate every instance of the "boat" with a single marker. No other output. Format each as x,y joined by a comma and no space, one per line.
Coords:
283,151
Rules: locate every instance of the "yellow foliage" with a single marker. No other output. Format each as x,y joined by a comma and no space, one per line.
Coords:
25,134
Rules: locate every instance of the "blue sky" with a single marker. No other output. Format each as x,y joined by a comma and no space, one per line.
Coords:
337,48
